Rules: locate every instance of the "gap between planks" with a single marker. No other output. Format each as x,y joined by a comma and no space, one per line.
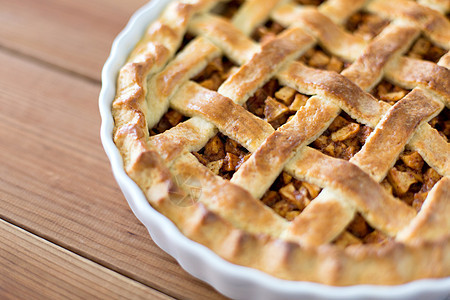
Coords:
48,64
50,271
75,35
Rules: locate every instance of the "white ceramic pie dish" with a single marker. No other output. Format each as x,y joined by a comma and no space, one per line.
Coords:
232,280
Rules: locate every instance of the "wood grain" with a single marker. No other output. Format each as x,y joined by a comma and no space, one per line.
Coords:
55,180
74,35
38,269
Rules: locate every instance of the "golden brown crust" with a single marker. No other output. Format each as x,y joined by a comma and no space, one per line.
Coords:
432,221
351,184
188,63
340,10
247,129
131,83
409,73
335,213
188,136
367,70
252,14
330,85
264,64
432,147
263,167
403,119
227,199
332,37
445,60
227,217
234,43
442,6
432,23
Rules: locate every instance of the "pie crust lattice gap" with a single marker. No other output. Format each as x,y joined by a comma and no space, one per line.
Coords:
227,216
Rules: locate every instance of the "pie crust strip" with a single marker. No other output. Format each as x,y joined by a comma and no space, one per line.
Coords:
262,168
290,44
340,10
432,23
188,63
382,148
432,222
331,36
194,100
252,14
237,46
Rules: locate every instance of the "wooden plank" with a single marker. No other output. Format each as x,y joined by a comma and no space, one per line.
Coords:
75,35
38,269
55,180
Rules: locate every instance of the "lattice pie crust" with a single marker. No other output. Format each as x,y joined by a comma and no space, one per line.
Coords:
227,200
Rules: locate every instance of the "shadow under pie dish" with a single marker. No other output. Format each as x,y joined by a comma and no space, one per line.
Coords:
305,139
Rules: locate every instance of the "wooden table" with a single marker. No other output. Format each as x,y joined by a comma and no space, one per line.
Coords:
66,229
